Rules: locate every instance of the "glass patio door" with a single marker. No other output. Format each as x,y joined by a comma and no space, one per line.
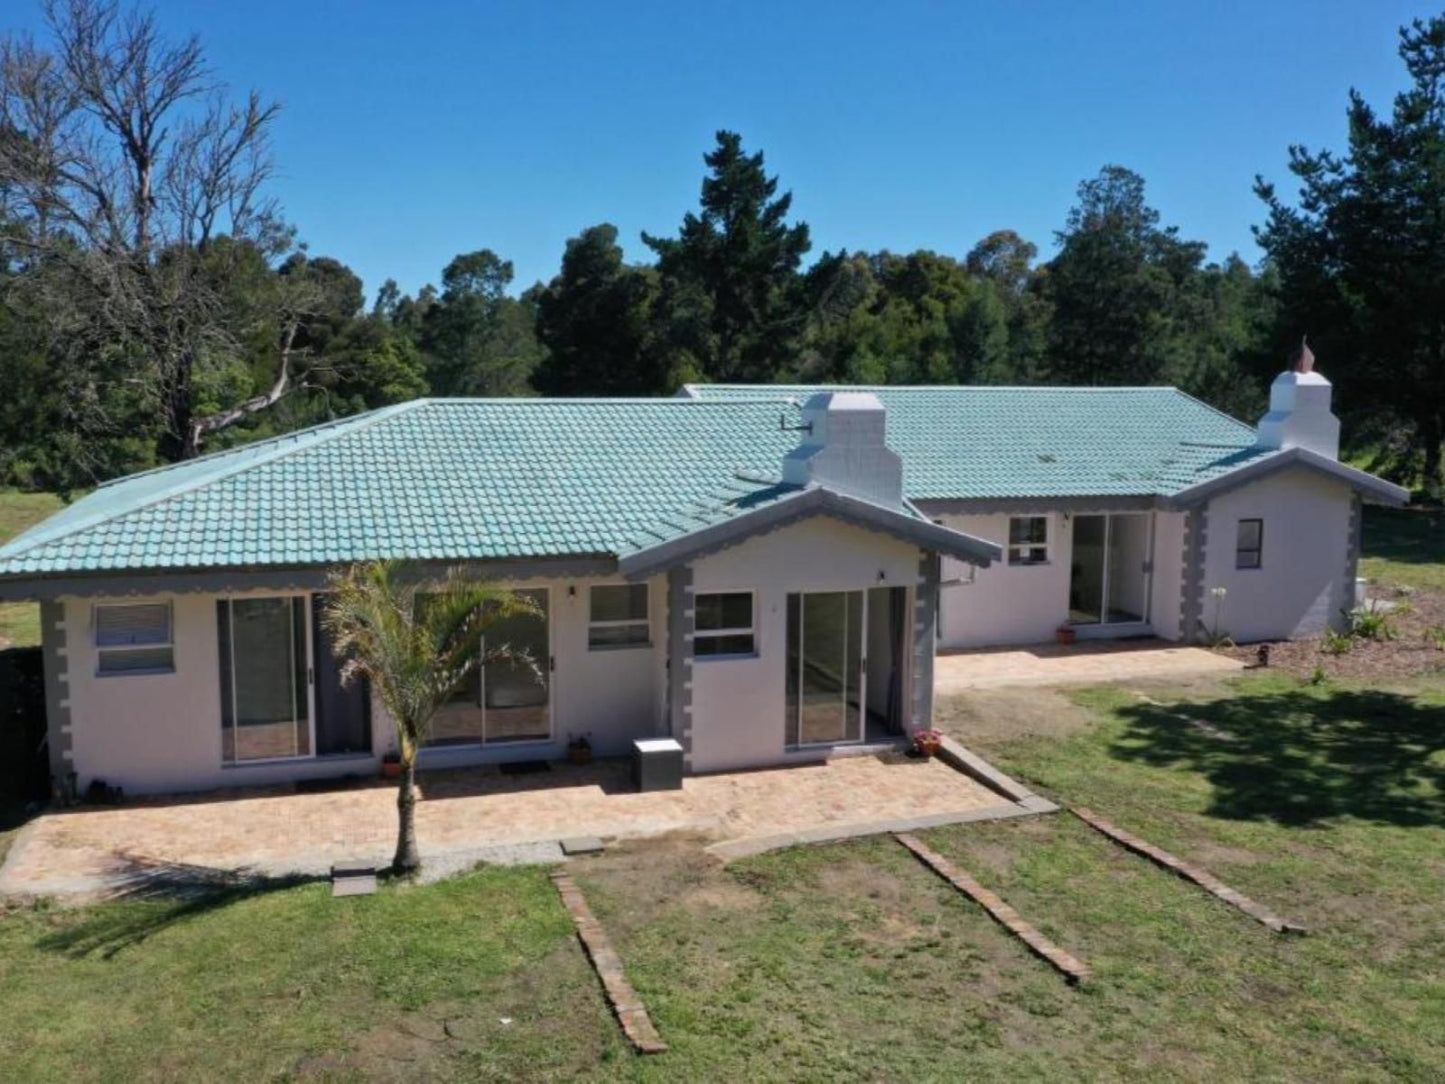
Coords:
504,701
825,694
516,698
265,698
1109,577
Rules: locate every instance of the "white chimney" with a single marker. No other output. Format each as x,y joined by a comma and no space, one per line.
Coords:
843,448
1299,410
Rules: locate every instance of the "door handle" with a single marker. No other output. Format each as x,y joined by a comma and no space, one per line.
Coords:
551,663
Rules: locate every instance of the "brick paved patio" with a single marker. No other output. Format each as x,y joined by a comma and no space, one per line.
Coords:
281,832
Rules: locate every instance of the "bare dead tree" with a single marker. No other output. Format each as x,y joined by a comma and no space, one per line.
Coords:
124,165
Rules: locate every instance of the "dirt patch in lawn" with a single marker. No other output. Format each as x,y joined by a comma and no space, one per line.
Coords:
992,716
1410,653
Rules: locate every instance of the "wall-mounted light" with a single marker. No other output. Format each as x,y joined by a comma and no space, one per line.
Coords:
571,590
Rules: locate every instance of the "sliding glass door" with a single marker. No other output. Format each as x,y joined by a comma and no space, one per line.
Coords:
516,696
825,667
505,701
265,699
1109,576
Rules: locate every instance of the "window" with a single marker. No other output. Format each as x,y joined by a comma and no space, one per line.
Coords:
1249,544
618,616
264,694
723,624
1028,540
134,639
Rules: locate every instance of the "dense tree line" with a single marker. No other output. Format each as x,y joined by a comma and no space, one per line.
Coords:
154,303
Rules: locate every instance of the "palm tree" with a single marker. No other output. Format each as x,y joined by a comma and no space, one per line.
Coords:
417,641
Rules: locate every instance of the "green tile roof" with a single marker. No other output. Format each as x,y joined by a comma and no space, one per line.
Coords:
996,442
466,478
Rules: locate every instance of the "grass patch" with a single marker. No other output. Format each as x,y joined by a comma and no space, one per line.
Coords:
850,961
854,961
292,982
1404,547
20,621
1328,804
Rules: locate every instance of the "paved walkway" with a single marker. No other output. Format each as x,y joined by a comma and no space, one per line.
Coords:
465,814
1084,663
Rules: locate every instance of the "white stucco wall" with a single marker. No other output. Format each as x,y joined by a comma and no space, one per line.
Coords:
738,705
1168,573
1300,587
1006,604
162,732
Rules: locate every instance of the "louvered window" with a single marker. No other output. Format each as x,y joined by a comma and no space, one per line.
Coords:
134,639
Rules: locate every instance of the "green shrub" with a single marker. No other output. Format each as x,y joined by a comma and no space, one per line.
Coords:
1370,625
1336,643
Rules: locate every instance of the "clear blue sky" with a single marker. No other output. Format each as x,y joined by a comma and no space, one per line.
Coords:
415,130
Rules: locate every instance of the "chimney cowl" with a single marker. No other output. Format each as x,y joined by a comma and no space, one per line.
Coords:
1299,409
843,447
1303,359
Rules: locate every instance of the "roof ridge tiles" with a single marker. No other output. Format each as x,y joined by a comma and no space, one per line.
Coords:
779,388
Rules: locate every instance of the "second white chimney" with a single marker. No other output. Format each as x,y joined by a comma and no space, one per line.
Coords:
1299,410
843,448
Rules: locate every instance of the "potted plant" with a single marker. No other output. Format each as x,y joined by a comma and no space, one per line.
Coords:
927,742
1065,634
391,766
579,750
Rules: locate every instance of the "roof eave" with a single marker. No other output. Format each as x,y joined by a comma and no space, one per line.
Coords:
1368,485
131,582
815,501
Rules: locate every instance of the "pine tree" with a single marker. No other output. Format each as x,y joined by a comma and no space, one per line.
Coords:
1361,259
727,276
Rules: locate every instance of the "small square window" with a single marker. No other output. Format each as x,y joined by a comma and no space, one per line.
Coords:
618,616
723,624
133,639
1249,544
1028,540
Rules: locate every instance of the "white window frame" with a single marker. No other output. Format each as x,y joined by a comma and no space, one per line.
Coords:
1021,549
104,650
750,630
645,621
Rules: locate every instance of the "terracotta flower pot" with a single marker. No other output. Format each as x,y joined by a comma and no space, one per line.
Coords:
1065,635
391,769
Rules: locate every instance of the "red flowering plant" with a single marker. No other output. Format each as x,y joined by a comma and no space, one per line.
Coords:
927,740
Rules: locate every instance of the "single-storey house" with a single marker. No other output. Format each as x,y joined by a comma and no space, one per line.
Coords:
762,573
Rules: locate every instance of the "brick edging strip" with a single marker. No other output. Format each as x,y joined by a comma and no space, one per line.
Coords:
1189,872
631,1013
1071,968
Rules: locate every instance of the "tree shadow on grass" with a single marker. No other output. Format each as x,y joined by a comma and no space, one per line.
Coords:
1413,535
174,893
1300,757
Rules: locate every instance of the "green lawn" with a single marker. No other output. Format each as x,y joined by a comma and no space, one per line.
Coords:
849,961
293,982
20,621
1405,547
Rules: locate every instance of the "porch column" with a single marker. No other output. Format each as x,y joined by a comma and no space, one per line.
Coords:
1191,595
680,615
56,663
925,622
